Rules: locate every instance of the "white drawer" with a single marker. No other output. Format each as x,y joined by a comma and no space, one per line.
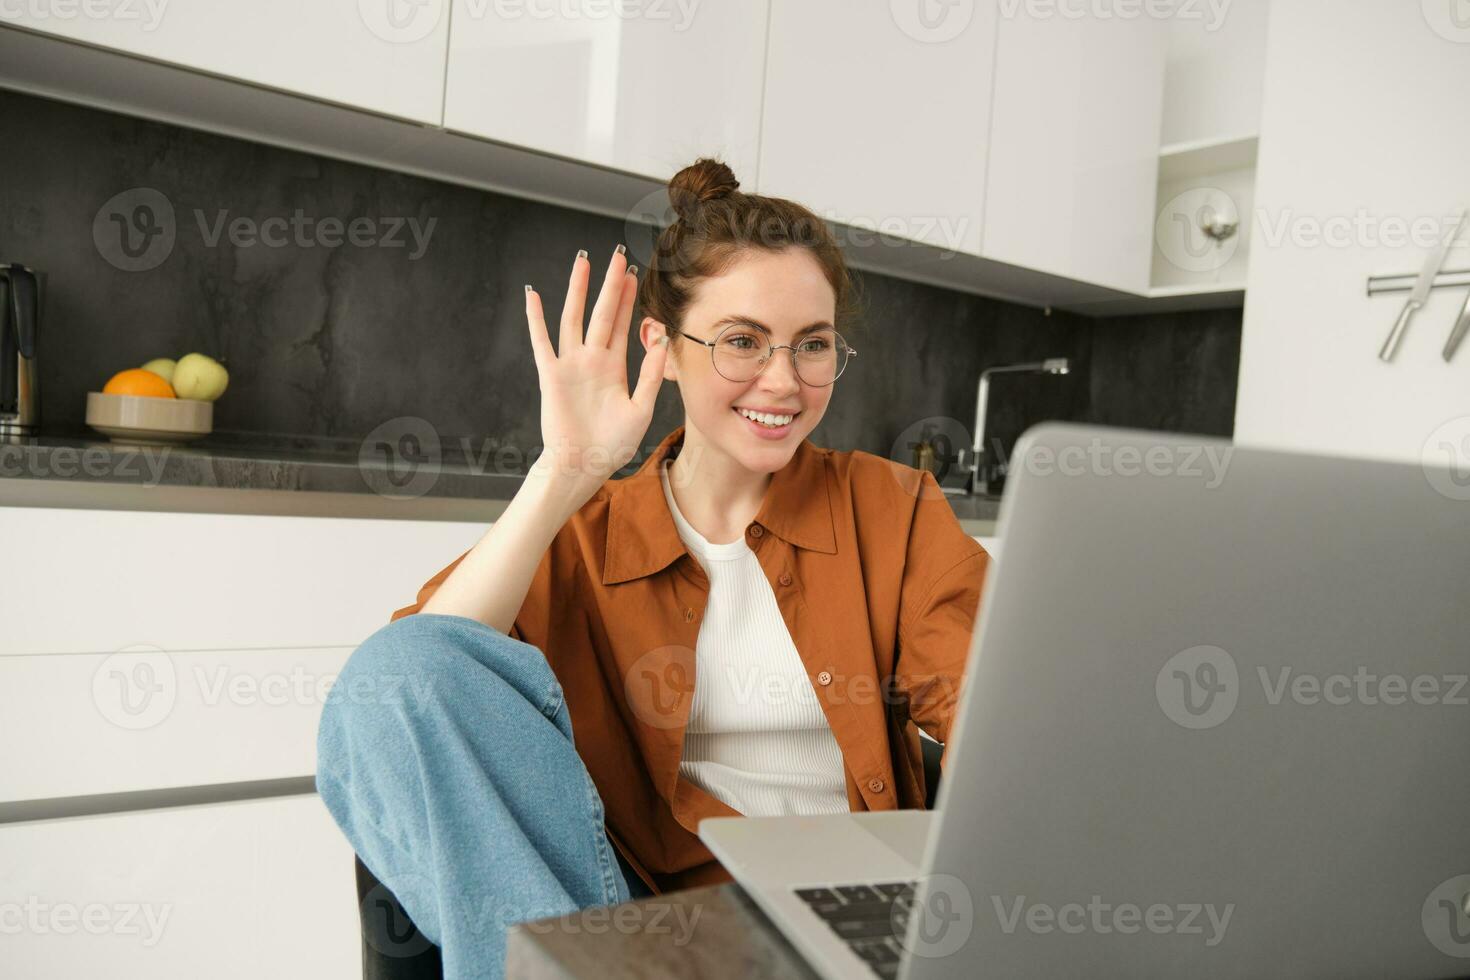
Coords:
147,719
232,890
96,581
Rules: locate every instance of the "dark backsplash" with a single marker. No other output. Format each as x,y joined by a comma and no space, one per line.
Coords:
325,342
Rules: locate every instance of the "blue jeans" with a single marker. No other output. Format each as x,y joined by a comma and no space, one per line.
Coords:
445,754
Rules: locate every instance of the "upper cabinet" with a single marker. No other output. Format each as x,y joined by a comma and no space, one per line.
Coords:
644,88
1019,133
1074,143
385,56
878,117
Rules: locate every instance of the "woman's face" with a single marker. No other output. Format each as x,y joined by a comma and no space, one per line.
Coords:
782,292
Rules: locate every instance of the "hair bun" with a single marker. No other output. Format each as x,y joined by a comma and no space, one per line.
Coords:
704,180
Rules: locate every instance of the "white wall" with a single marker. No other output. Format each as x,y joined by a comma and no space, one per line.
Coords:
1212,79
1364,122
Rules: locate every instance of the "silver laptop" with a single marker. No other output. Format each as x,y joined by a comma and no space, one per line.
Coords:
1214,724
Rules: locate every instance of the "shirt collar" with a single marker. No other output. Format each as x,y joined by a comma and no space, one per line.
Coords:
642,537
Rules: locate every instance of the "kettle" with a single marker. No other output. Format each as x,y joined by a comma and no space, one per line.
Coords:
20,324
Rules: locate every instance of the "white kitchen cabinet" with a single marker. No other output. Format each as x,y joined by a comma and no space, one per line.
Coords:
230,891
1074,144
880,123
385,56
644,88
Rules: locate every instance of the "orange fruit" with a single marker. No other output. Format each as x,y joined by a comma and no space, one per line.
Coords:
136,381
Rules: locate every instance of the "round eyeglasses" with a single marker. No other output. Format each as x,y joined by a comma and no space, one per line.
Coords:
740,352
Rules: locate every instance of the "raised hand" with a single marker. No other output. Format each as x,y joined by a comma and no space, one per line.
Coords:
590,426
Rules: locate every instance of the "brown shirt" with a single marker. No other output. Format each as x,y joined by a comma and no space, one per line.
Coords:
876,580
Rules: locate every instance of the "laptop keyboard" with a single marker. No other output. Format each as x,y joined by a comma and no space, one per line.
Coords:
871,919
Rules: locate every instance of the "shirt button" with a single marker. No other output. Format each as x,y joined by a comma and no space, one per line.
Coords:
688,615
824,678
755,531
876,785
784,579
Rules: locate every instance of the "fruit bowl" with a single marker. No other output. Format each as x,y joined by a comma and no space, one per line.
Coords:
145,420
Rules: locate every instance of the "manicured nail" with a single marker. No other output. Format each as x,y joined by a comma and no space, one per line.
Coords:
621,249
632,270
581,253
528,287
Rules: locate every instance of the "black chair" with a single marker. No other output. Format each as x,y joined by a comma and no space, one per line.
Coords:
394,949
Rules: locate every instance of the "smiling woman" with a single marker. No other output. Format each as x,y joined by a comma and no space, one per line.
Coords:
748,625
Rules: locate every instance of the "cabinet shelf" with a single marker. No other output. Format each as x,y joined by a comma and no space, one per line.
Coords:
1201,158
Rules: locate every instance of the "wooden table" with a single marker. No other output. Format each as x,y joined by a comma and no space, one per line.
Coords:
711,932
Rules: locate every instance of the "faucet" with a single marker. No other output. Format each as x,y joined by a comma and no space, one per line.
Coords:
983,470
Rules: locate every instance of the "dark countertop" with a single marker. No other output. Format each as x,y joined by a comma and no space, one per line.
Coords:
242,473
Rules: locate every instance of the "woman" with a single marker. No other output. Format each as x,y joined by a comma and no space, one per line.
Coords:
744,626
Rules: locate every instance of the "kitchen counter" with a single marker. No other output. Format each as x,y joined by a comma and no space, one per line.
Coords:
246,473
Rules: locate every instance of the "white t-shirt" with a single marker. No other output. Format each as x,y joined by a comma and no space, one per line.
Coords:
757,738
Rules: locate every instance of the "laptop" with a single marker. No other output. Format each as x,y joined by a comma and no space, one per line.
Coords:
1214,724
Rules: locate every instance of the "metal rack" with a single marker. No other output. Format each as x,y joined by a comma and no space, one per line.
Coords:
1404,282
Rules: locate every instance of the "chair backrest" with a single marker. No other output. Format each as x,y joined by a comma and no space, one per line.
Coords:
392,946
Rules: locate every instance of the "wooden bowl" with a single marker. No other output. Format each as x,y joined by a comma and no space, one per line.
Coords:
144,420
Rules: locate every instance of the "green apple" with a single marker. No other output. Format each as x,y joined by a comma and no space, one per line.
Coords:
200,377
163,367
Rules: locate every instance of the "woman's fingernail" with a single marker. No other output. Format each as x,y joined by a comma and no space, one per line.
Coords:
581,253
528,287
622,249
632,270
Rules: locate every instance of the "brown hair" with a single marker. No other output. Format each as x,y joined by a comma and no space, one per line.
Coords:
715,223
